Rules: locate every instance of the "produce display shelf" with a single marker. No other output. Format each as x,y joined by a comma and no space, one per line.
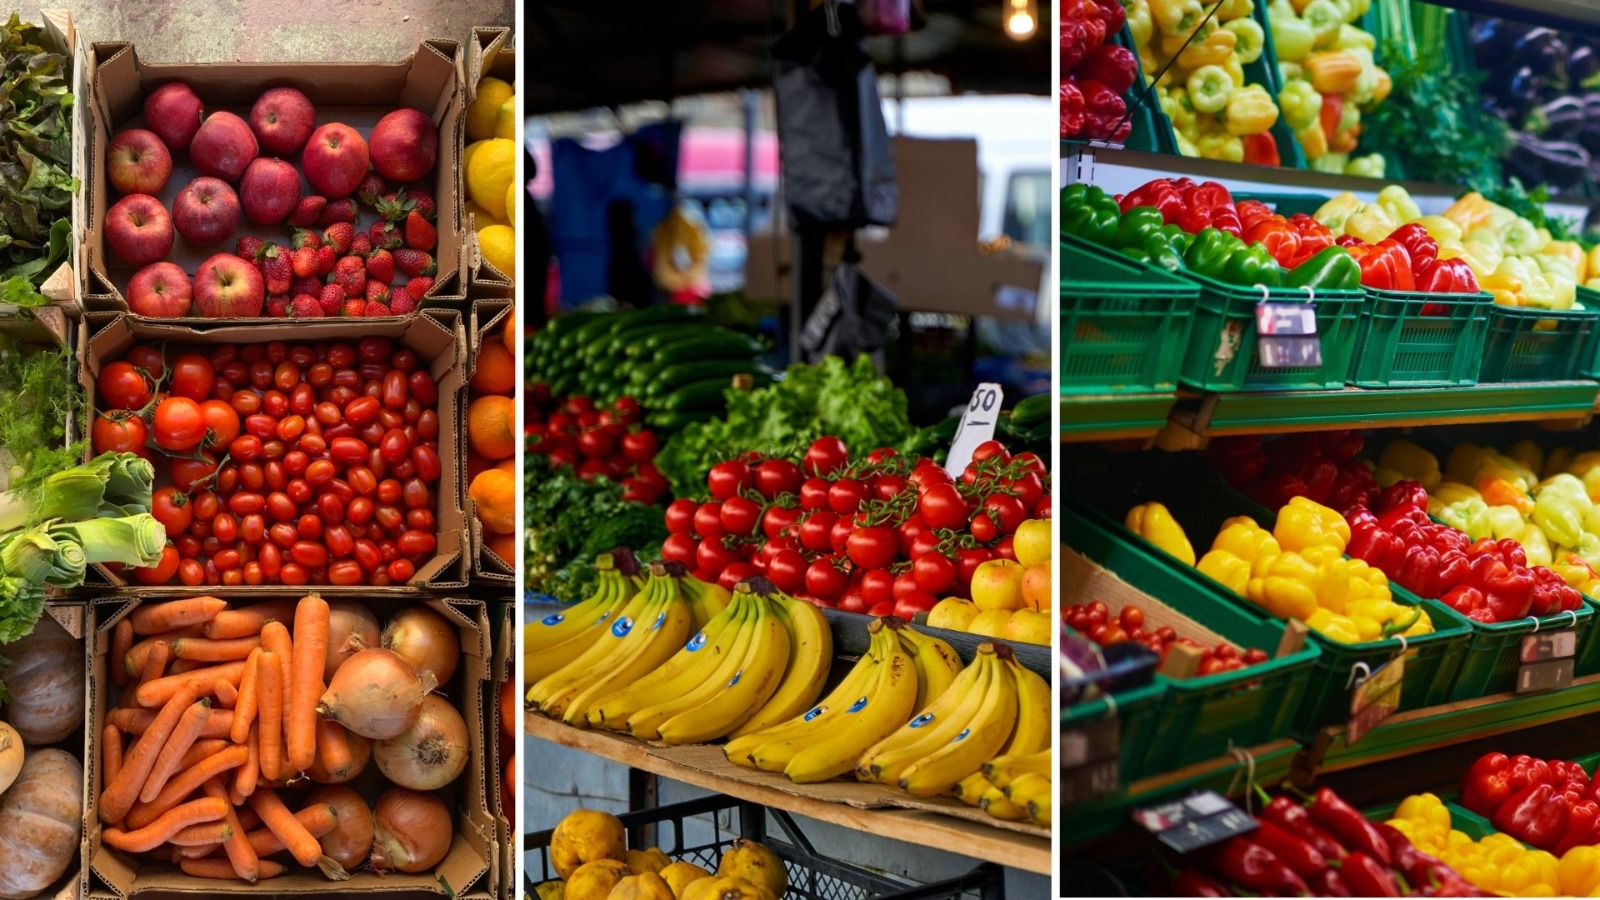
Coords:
1231,774
1418,731
1008,848
1114,416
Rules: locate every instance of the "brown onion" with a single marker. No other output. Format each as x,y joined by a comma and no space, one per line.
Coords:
347,845
376,694
328,732
411,831
431,753
426,639
352,628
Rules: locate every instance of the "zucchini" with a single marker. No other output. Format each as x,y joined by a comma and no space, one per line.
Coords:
646,346
698,395
1030,411
730,345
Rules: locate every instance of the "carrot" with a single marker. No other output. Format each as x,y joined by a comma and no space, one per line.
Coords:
187,782
317,820
203,749
333,748
154,618
211,834
118,797
244,860
275,637
245,708
198,851
155,662
180,666
295,837
247,818
138,721
134,661
195,812
310,657
110,753
208,650
238,623
245,779
171,756
155,693
269,714
121,643
227,694
216,867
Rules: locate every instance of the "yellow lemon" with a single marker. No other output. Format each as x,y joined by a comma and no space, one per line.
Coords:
499,246
512,202
480,216
485,108
997,584
491,168
467,154
1032,542
505,120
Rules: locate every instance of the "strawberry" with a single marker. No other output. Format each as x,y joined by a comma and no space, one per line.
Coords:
371,188
308,211
306,237
278,305
354,309
305,284
338,211
249,247
414,262
401,303
419,287
393,206
327,258
377,310
276,268
351,276
331,296
306,306
304,262
385,235
339,235
420,233
380,266
422,202
377,292
361,245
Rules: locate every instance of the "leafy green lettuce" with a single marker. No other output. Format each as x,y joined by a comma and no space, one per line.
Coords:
36,183
570,521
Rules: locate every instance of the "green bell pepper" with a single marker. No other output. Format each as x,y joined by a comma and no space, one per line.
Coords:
1175,237
1164,255
1208,253
1292,37
1253,265
1332,269
1091,214
1138,225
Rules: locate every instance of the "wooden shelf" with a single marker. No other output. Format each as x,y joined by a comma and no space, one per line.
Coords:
692,765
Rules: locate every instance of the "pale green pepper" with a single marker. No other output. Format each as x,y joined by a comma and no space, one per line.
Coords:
1370,166
1291,72
1223,146
1230,10
1587,549
1292,38
1471,516
1248,39
1301,104
1324,17
1139,21
1175,16
1535,545
1209,88
1520,237
1351,37
1397,200
1352,10
1330,163
1506,522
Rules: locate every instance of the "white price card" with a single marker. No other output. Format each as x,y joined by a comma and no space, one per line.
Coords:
977,426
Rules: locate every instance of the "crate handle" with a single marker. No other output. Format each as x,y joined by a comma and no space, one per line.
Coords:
1352,681
1111,705
1571,612
1402,639
1249,763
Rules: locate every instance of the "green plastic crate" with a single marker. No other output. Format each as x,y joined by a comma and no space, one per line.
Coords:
1537,344
1588,662
1123,326
1138,713
1398,345
1494,651
1203,717
1286,204
1222,349
1589,298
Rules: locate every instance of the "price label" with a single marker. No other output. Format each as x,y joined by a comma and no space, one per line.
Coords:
1551,675
1549,645
1286,335
1199,820
1376,698
977,426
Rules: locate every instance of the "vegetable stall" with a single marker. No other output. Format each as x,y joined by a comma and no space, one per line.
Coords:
1328,601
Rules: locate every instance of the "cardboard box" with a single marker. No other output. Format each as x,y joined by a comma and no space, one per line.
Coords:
357,94
488,317
471,870
438,337
503,615
490,51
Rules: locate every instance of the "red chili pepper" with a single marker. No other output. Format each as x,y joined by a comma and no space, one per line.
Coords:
1195,883
1294,818
1349,826
1249,865
1290,849
1367,877
1328,883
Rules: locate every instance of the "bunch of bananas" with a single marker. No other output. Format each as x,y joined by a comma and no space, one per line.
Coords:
554,640
1013,787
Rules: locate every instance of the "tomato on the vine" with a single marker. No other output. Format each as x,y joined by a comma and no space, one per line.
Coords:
639,446
775,477
874,547
171,508
990,450
983,527
192,377
162,571
877,586
816,531
123,386
814,494
846,495
934,572
739,516
680,515
222,423
787,571
119,432
727,479
778,519
1007,512
825,579
825,455
178,423
736,573
708,520
942,506
913,602
186,473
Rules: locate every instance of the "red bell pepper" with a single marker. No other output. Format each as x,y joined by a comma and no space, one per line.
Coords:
1112,14
1387,267
1239,460
1583,826
1072,109
1354,488
1448,276
1552,594
1470,602
1507,589
1275,234
1487,784
1403,495
1111,65
1165,194
1314,237
1252,211
1105,112
1209,205
1332,110
1341,446
1347,824
1534,816
1420,246
1261,149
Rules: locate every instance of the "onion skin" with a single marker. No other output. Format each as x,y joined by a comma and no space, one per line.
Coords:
426,639
376,694
431,753
350,841
352,628
412,831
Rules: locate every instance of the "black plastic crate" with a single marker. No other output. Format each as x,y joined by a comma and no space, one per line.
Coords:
811,875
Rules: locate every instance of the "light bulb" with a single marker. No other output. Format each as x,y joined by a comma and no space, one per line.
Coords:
1022,19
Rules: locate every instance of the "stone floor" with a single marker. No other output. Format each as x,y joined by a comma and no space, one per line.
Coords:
211,31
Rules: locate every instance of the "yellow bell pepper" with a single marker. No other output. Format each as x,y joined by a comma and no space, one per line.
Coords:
1472,211
1371,224
1337,210
1397,202
1248,39
1226,569
1245,539
1449,492
1303,522
1175,16
1439,228
1230,10
1213,51
1139,21
1350,36
1235,70
1314,142
1412,461
1333,71
1251,110
1209,88
1579,871
1571,251
1334,627
1290,586
1154,523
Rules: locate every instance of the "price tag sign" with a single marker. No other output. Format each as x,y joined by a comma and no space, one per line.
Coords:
1196,821
977,426
1552,675
1286,335
1541,646
1376,698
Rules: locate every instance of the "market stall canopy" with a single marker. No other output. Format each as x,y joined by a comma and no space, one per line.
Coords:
585,53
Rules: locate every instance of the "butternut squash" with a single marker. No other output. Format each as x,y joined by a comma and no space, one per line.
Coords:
46,681
41,822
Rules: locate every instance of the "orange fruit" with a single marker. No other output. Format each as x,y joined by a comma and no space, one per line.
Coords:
492,426
495,493
495,371
503,545
508,336
508,466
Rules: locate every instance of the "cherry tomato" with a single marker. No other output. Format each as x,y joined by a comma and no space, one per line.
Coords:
874,547
359,411
839,535
825,579
727,479
119,432
739,516
914,602
713,556
395,393
877,586
814,494
225,528
639,446
245,448
425,459
1131,617
845,496
123,386
942,506
680,515
178,423
777,519
887,487
775,477
192,376
826,454
708,520
187,472
191,573
990,450
1007,513
736,573
787,571
934,573
680,547
349,451
816,531
983,527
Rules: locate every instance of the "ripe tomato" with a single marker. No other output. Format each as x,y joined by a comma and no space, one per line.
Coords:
814,494
817,530
164,569
877,586
927,474
736,573
907,606
776,477
739,516
887,487
845,496
825,455
186,473
904,583
192,377
123,386
990,450
727,479
713,556
825,579
179,424
595,444
787,571
171,508
1007,512
934,572
119,432
222,423
680,548
146,359
680,515
882,455
839,535
942,506
777,519
983,527
874,547
639,446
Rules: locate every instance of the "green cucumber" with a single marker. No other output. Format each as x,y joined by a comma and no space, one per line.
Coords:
672,421
698,395
646,346
1030,411
680,374
717,346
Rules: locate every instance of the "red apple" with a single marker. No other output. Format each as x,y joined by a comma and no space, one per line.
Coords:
270,190
223,146
404,145
138,230
227,287
335,160
137,162
206,211
282,120
173,111
160,290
